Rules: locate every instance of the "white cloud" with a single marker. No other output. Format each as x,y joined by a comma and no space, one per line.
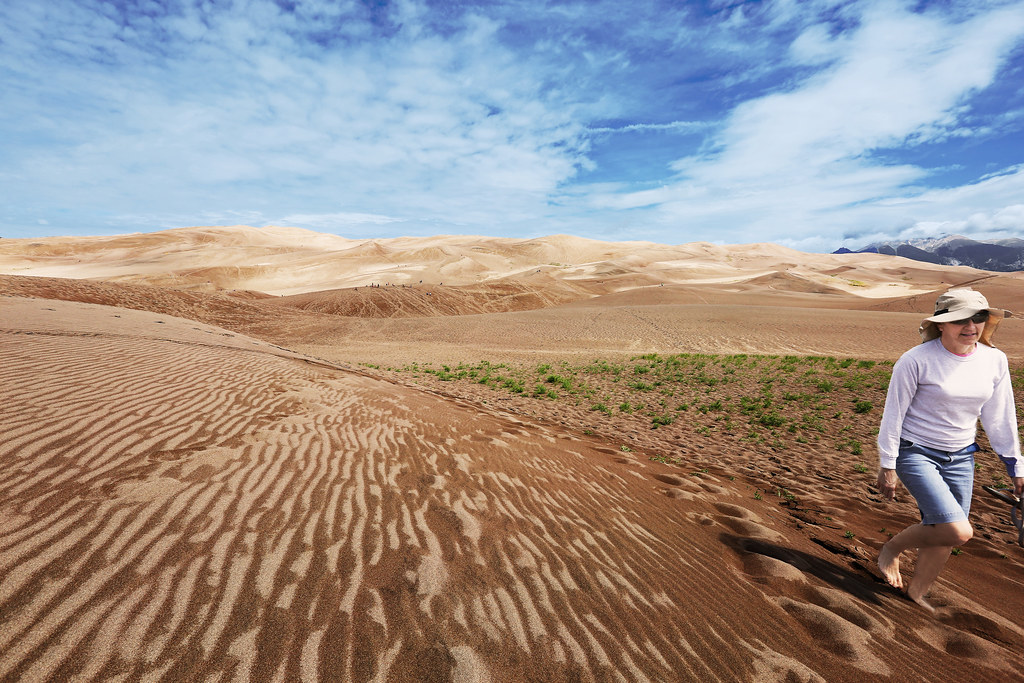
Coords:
482,118
438,127
986,209
799,161
336,221
897,75
674,126
989,207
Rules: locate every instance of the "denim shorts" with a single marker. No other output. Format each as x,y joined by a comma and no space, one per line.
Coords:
940,481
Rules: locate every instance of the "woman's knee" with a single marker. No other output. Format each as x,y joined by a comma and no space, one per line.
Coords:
959,532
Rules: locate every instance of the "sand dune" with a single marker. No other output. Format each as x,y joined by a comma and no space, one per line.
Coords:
204,483
396,325
556,294
419,301
292,261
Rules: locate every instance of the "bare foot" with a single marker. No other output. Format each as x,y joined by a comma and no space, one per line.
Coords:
889,564
922,602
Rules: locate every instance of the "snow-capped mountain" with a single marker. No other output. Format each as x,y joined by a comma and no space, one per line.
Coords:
954,250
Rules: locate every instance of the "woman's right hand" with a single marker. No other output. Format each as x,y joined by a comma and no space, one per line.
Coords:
887,483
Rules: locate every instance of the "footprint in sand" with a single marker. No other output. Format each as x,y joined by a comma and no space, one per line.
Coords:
745,522
766,569
770,665
700,518
844,605
679,487
841,636
753,546
994,629
952,640
736,511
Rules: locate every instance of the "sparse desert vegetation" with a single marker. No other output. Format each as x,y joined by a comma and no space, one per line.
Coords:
768,402
767,405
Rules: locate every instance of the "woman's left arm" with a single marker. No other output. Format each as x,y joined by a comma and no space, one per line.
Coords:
999,418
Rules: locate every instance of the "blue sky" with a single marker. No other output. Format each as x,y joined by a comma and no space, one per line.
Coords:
811,124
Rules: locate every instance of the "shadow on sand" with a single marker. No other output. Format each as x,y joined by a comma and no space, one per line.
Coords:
854,582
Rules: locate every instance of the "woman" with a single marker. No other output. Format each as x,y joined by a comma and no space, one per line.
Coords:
937,393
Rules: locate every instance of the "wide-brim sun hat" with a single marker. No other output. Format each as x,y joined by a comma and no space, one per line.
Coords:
958,304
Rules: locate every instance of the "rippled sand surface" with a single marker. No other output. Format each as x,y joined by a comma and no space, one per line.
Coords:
201,492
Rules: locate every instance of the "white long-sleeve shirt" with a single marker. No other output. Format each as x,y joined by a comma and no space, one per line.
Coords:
935,398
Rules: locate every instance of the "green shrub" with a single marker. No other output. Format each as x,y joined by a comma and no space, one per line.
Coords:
541,391
662,420
513,385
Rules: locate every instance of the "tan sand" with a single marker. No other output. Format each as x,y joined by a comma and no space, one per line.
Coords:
206,484
283,261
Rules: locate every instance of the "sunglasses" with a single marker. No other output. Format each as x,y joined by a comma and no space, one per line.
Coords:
978,318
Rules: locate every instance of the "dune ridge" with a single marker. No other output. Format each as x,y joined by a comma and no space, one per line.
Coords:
283,261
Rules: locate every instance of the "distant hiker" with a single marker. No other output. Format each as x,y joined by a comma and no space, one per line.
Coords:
937,393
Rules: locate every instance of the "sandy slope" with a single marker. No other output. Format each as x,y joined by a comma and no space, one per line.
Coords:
183,501
184,494
661,319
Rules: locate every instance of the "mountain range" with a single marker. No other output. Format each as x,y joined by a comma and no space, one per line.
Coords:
953,250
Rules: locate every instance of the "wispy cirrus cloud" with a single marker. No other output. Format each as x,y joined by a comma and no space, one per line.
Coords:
795,122
673,126
215,110
338,221
804,156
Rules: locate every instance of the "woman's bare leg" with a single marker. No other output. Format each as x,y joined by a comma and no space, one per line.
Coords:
935,542
930,562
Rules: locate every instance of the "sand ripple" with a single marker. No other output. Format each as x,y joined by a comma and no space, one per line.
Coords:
172,507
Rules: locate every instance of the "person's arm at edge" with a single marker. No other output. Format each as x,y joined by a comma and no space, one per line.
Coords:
902,387
999,419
